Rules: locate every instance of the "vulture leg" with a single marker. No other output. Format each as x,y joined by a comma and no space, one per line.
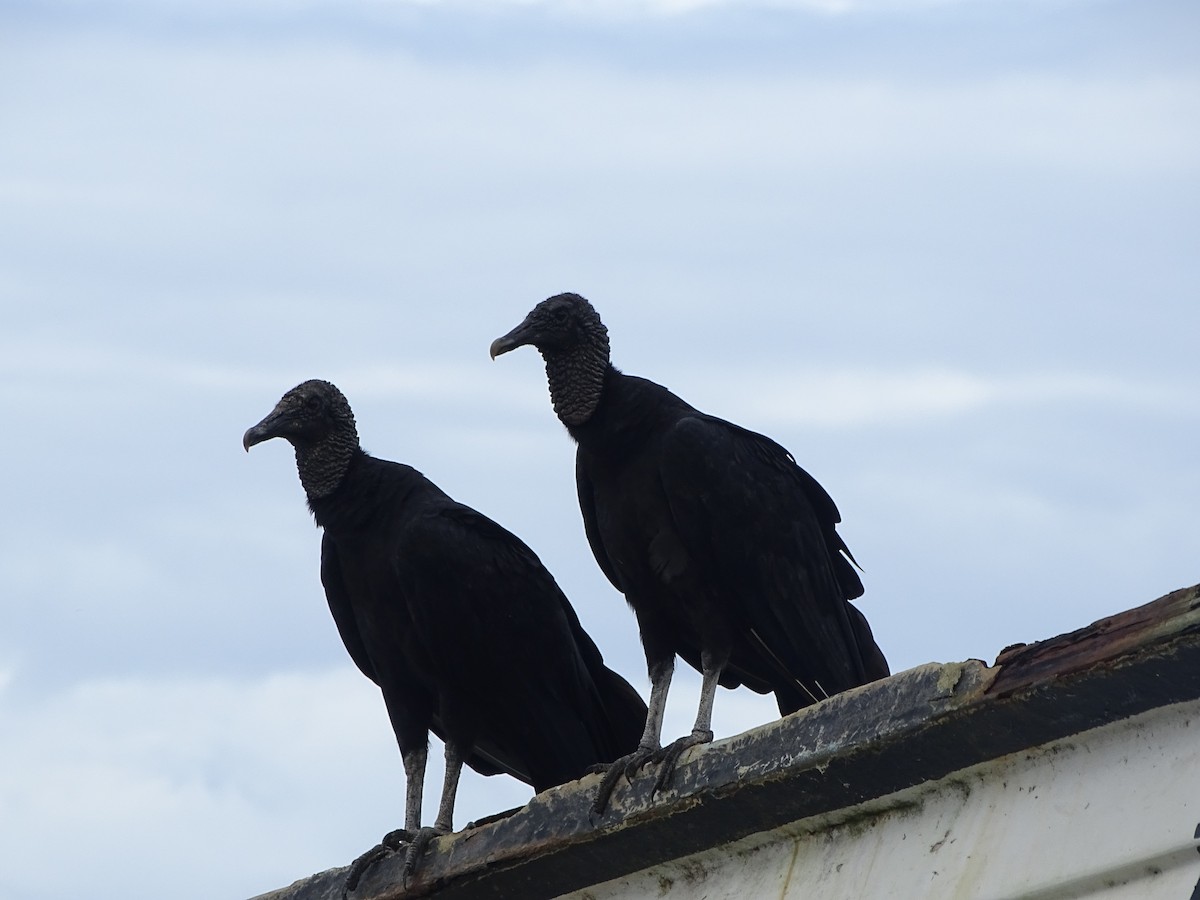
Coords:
445,817
628,765
668,756
414,773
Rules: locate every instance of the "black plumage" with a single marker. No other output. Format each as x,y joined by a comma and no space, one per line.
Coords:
724,547
457,621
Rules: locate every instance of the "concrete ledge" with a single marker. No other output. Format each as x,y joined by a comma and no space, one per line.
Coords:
866,744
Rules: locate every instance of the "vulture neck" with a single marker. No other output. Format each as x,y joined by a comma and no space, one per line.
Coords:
323,465
576,379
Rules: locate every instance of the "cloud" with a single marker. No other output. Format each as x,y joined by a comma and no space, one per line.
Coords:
274,777
149,781
37,370
827,397
585,9
862,397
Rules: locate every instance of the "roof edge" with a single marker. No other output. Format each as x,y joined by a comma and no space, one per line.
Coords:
916,726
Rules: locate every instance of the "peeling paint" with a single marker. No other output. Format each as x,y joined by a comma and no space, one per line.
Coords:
948,680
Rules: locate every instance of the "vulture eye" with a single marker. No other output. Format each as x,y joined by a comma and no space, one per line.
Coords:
312,404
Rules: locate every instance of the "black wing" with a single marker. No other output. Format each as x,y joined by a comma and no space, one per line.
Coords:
822,504
503,638
399,690
759,525
342,609
587,506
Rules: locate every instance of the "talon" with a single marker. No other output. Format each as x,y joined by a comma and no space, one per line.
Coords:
626,765
392,841
637,762
668,758
604,791
663,780
416,849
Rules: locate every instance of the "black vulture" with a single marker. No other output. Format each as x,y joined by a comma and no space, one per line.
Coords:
724,547
458,622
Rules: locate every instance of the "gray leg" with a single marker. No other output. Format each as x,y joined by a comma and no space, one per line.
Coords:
660,683
701,731
445,817
454,764
414,786
708,693
414,774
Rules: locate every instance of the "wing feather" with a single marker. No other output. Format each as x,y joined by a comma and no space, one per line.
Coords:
758,524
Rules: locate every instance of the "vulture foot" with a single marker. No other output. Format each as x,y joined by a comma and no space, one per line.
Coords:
628,766
392,841
416,849
668,757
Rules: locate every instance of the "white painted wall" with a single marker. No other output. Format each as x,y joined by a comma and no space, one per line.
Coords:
1108,813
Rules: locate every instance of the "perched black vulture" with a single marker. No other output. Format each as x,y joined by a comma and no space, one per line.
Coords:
457,621
725,548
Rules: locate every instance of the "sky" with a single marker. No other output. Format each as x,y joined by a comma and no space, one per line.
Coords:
945,251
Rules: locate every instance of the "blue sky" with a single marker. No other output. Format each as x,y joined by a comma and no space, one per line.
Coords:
946,252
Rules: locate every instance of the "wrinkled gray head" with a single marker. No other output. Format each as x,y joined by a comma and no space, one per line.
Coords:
316,419
573,341
560,324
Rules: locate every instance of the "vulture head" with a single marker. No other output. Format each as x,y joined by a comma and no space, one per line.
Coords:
315,418
567,331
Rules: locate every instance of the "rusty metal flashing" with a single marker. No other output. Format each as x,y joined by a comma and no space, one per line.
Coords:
917,726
